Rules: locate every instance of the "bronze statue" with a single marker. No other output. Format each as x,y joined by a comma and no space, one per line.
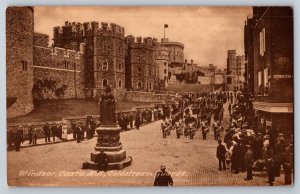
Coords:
107,107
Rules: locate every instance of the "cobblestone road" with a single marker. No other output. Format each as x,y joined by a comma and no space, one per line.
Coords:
192,162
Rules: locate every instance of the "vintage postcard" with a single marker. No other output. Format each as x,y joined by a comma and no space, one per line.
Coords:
149,96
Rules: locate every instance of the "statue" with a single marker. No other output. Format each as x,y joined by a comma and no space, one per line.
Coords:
107,108
108,140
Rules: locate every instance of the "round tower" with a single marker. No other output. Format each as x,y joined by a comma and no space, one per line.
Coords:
19,60
162,60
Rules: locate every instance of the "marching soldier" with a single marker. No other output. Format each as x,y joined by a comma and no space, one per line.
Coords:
163,178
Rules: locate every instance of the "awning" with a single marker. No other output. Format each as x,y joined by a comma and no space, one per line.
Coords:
274,107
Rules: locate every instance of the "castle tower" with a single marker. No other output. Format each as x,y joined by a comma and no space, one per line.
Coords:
19,60
231,62
162,61
105,55
141,69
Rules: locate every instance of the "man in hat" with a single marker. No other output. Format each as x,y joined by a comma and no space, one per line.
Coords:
221,151
249,162
163,178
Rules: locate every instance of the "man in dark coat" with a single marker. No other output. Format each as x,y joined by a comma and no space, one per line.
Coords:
235,158
221,151
30,135
54,131
163,178
249,162
78,133
46,129
18,136
102,161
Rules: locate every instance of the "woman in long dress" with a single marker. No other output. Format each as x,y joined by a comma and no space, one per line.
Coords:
65,132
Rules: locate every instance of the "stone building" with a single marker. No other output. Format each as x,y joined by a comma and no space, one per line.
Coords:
65,67
240,68
141,68
104,48
19,60
235,70
269,51
162,61
176,50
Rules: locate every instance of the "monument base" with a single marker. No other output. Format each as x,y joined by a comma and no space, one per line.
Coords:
108,142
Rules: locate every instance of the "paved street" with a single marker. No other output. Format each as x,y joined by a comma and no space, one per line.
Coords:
193,162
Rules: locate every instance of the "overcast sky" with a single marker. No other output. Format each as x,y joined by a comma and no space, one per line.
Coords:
206,32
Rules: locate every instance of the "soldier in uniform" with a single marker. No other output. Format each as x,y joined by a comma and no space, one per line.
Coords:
163,178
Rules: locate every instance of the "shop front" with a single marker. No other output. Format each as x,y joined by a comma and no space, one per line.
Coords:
275,118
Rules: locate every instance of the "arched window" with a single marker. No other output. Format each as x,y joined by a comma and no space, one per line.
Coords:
104,65
120,83
104,82
150,86
139,85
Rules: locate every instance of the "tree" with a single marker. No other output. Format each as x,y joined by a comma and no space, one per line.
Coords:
42,87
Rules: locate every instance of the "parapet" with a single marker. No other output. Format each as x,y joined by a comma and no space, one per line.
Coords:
140,41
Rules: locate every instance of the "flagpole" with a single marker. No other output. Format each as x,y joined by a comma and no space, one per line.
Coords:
164,32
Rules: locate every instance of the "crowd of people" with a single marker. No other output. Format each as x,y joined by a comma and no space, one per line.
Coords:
247,148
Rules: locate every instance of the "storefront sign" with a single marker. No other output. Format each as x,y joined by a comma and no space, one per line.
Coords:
282,76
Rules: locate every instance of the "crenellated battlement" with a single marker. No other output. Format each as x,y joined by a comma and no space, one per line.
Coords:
77,29
140,42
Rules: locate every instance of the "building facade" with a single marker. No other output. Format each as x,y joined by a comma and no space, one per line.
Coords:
269,50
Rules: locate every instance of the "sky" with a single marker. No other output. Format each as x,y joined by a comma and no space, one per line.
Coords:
206,32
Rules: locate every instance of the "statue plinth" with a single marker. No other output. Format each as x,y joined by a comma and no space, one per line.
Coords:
108,137
108,141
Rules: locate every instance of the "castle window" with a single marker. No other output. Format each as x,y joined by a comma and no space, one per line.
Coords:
120,66
165,64
24,65
104,65
104,82
150,72
139,85
120,83
150,86
66,65
262,42
140,71
165,71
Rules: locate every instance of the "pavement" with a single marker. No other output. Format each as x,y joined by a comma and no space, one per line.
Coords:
190,162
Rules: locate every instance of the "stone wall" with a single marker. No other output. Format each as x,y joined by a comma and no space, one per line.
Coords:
137,96
63,66
19,60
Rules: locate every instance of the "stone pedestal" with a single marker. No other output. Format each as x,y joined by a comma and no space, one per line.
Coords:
109,142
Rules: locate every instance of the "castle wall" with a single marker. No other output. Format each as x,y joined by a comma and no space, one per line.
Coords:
19,60
65,67
136,96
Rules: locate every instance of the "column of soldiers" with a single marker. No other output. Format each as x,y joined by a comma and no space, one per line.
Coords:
197,115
